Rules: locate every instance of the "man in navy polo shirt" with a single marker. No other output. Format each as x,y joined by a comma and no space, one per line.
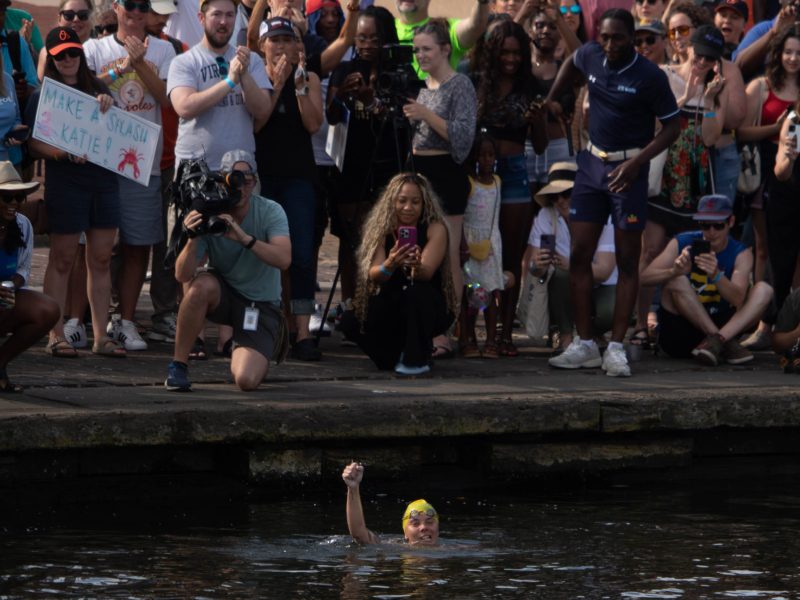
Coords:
627,93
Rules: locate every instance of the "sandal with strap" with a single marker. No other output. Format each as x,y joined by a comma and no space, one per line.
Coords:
641,337
507,348
61,348
470,350
6,387
105,346
490,351
198,351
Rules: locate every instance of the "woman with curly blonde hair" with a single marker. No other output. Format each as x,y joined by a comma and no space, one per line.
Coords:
404,292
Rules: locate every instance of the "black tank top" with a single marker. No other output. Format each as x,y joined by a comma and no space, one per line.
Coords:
283,146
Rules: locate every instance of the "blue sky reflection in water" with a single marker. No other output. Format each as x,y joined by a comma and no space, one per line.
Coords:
620,543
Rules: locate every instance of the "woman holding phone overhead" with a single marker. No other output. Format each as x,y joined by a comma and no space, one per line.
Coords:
404,289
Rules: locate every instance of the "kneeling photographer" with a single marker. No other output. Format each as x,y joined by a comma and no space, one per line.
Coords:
245,239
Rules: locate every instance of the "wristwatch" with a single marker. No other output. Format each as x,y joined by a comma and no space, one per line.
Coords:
303,91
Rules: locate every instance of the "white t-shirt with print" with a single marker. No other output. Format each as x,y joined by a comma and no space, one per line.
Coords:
129,91
226,126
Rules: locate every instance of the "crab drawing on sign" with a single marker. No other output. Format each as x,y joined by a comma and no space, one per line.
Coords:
44,127
129,157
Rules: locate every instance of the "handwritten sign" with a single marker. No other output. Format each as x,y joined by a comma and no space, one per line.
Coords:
116,140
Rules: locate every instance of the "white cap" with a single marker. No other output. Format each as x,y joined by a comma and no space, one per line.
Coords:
163,7
231,157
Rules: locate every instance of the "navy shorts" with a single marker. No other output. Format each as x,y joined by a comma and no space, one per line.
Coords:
592,202
73,210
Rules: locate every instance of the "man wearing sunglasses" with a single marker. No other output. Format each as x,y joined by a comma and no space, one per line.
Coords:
134,66
706,300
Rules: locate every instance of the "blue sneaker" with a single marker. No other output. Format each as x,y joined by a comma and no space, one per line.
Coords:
178,377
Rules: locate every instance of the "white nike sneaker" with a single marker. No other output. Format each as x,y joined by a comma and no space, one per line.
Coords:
615,363
577,356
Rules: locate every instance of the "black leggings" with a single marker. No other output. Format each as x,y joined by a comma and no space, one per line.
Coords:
783,241
401,321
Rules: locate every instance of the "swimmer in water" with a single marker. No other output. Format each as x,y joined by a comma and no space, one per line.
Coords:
420,521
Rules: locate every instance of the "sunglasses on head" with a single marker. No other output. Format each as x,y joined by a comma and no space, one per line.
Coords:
222,65
130,6
71,15
105,29
8,199
68,53
715,226
679,31
645,39
574,9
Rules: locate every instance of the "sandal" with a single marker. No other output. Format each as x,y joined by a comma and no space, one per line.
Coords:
470,350
490,351
6,387
61,348
442,353
507,348
198,351
641,337
227,349
110,348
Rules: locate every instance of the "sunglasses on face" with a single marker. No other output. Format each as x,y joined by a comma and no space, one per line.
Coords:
679,31
105,29
71,15
705,58
69,53
130,6
222,65
18,198
574,9
647,39
715,226
650,2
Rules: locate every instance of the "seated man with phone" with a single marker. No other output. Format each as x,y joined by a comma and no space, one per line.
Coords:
707,301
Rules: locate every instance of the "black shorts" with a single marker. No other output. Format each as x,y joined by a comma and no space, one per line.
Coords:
271,337
448,179
677,337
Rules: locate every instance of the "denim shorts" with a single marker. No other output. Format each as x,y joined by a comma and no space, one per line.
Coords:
592,201
513,173
539,164
726,170
140,211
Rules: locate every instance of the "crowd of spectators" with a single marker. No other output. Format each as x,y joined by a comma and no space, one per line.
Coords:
655,141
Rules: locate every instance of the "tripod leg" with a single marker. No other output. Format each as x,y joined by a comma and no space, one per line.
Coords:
325,312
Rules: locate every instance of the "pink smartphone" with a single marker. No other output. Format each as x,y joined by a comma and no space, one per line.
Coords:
407,235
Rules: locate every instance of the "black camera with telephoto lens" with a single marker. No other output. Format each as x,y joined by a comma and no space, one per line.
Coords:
397,81
210,193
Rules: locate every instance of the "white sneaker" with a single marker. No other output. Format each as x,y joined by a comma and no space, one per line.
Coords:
316,320
163,329
615,363
125,333
577,356
75,333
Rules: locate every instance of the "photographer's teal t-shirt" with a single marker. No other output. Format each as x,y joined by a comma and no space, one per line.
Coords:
240,267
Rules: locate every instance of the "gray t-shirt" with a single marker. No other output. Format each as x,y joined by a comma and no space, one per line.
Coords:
226,126
243,271
455,101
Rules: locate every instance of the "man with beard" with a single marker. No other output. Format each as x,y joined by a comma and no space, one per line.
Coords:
217,90
134,66
627,93
463,32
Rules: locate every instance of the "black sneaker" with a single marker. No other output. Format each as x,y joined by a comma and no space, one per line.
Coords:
178,377
305,350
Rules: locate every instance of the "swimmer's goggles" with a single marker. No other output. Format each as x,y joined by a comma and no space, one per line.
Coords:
419,509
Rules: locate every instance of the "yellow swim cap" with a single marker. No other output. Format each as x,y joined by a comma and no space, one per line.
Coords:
418,507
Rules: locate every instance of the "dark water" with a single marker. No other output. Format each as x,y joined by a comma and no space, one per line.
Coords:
611,543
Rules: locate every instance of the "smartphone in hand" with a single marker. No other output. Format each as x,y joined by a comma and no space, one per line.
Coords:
699,247
547,241
20,134
407,236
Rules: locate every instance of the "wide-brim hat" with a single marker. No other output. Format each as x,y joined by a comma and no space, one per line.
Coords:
10,180
560,178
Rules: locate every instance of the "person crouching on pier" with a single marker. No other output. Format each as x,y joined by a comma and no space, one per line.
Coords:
242,286
24,314
420,520
404,292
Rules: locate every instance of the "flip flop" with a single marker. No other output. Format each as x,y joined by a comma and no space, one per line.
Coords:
442,353
641,337
61,348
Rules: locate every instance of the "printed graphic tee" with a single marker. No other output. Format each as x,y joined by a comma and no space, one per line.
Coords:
210,134
129,91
